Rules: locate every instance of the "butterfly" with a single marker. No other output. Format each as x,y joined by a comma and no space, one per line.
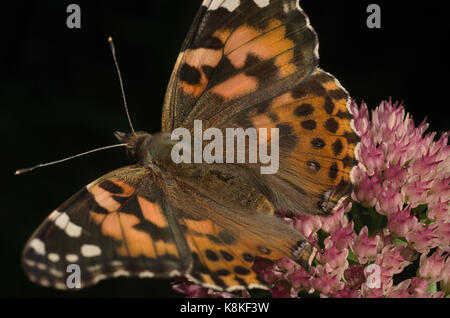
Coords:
244,63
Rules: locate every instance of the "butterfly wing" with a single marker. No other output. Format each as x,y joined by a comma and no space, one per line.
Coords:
238,53
254,64
224,242
316,140
140,222
115,226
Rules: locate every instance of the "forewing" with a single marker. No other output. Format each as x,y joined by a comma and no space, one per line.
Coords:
116,226
138,222
237,54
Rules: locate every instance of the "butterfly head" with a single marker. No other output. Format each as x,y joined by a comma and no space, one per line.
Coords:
138,144
145,148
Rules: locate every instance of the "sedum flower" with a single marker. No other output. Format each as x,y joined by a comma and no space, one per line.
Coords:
341,236
389,200
388,122
440,189
191,290
307,224
418,287
333,256
402,222
426,166
401,290
417,191
365,247
401,196
347,293
391,260
265,270
354,275
300,279
335,221
395,175
433,268
182,285
443,234
423,237
368,292
414,288
372,156
282,289
438,210
325,281
366,191
410,288
286,265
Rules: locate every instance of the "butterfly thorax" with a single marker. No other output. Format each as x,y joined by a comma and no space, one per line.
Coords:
224,181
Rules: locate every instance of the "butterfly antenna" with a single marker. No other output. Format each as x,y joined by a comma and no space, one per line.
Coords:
22,171
113,51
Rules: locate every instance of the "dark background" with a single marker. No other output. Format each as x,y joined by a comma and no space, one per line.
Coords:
59,95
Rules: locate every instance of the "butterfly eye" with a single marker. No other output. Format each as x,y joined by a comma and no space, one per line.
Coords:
140,144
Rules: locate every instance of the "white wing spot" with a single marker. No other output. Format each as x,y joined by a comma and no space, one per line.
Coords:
72,258
30,263
116,263
60,286
99,278
62,221
206,3
215,4
174,273
94,268
53,257
90,250
73,230
32,278
56,273
262,3
121,272
230,5
146,274
41,266
38,246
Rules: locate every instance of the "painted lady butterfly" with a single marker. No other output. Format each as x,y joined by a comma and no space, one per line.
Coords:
245,63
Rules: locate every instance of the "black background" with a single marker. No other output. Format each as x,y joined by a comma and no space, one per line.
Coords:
60,95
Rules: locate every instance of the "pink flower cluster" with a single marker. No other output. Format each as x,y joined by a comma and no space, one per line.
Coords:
402,186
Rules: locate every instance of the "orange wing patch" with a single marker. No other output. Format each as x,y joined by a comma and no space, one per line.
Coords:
193,79
153,213
102,193
235,87
264,44
125,227
120,227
